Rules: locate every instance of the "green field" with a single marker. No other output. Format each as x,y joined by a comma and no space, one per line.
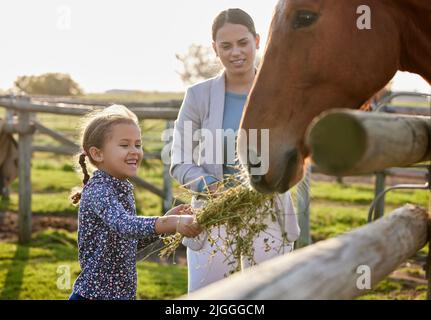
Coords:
32,271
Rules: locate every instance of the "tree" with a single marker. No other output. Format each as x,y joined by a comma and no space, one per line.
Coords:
199,63
57,84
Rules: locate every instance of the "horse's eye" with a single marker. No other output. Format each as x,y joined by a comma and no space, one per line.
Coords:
304,19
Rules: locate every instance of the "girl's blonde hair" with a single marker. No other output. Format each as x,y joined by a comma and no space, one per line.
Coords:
95,129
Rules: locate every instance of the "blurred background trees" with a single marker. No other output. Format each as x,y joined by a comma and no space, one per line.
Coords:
57,84
199,63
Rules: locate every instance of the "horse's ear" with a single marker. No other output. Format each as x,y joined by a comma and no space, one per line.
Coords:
366,106
257,41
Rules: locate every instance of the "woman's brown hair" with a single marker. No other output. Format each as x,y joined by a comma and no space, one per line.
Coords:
234,16
94,131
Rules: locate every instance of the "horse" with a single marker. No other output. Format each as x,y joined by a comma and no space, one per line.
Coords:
8,159
318,58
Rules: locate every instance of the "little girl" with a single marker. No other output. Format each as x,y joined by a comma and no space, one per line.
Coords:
109,229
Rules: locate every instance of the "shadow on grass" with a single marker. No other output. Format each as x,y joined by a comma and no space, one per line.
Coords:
61,244
57,245
15,274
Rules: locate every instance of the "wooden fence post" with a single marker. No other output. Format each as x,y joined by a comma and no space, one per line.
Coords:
428,265
8,124
168,197
24,174
379,187
345,142
303,208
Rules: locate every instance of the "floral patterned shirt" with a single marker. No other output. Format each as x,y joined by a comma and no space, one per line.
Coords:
108,234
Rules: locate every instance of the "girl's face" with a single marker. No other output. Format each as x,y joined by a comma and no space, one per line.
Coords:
122,151
236,48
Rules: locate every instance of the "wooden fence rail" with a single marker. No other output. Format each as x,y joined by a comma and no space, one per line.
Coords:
384,105
332,269
355,142
155,110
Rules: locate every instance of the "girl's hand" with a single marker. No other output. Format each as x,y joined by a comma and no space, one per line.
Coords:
187,226
182,209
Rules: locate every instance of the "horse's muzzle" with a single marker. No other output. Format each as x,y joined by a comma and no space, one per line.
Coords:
281,181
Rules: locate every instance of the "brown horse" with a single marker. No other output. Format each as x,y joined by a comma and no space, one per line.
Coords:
317,58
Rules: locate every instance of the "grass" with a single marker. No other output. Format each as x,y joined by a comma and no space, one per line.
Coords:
421,104
362,194
396,290
41,270
329,221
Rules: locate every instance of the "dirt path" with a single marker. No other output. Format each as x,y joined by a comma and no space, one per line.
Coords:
9,224
9,231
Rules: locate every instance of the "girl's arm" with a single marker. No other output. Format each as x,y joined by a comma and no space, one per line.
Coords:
183,209
183,224
113,214
127,226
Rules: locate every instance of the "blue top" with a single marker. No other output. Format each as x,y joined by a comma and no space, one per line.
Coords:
108,233
233,108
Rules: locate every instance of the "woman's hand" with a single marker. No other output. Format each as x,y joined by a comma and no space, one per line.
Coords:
213,190
182,209
187,226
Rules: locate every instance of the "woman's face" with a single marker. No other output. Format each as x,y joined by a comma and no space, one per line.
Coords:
236,48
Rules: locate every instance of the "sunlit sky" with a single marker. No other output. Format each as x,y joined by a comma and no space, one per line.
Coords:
127,44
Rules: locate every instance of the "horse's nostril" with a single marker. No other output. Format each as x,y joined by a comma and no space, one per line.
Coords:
292,158
256,179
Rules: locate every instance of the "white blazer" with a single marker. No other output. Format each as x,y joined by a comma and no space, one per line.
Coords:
203,107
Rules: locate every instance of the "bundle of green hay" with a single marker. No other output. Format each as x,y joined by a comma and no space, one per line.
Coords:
242,212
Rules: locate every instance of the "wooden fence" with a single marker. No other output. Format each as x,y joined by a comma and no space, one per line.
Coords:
332,269
25,125
416,172
344,266
353,142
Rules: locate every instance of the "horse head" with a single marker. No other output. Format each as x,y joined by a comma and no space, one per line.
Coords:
317,57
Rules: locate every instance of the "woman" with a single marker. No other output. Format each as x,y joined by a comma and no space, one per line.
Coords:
207,108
